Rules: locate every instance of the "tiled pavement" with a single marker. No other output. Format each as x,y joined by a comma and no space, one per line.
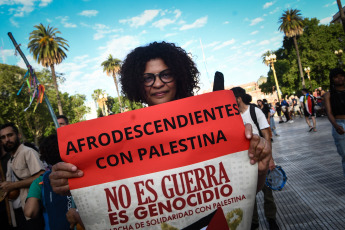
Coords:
314,195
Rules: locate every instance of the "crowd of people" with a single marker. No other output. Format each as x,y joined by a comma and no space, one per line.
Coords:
153,74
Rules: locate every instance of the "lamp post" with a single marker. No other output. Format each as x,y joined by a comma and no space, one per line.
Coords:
339,53
307,70
269,61
102,99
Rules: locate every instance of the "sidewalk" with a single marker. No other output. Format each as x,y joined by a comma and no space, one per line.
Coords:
314,195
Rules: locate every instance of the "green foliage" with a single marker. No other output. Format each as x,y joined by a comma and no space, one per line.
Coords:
114,107
34,125
46,47
317,46
291,23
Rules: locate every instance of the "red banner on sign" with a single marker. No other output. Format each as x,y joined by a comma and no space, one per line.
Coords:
153,139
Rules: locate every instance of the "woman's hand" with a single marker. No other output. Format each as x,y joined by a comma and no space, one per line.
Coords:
339,130
260,151
59,176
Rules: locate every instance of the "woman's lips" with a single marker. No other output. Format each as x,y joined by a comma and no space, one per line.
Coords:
160,94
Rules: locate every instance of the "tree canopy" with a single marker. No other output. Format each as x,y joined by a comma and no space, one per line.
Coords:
34,125
317,45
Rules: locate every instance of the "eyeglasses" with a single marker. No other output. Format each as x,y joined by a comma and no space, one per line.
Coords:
165,76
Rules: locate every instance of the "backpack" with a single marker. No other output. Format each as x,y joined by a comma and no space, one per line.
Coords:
56,206
254,118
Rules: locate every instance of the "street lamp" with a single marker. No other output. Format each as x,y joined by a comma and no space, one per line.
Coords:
307,70
269,60
339,53
102,99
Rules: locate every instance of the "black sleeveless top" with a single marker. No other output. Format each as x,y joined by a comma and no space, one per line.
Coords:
338,102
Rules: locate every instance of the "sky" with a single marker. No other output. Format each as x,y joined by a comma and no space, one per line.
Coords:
222,35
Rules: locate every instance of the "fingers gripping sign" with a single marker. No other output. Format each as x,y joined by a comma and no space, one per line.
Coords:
61,172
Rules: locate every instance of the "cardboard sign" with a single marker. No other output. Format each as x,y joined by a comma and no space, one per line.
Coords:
170,166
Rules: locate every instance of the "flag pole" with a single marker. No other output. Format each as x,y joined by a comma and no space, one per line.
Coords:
50,108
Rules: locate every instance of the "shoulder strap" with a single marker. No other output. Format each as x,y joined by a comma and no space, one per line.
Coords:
253,115
18,178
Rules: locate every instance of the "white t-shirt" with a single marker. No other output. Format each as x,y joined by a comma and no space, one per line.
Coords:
260,116
301,99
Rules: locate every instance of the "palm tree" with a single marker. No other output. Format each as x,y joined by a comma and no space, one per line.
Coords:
48,50
264,55
341,12
292,26
112,66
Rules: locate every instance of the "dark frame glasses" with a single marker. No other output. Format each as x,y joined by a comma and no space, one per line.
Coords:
165,76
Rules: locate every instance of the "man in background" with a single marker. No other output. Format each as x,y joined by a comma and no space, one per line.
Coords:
62,120
23,168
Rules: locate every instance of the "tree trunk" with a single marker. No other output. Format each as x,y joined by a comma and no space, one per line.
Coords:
56,90
117,90
341,12
299,61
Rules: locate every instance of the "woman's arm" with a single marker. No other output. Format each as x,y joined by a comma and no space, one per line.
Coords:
32,207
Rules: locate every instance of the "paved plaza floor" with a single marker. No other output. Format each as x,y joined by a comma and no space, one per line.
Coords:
314,195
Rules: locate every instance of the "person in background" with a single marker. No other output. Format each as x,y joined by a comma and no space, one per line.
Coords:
291,107
40,193
243,100
5,216
272,122
278,108
335,108
62,120
22,169
285,109
308,104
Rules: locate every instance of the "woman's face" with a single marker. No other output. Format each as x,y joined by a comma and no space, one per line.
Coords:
259,103
159,92
339,80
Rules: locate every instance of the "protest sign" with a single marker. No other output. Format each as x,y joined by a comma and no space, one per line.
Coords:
171,166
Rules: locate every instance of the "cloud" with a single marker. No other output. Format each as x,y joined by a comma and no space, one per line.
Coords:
95,78
268,4
88,13
331,4
119,47
102,30
162,23
14,23
44,3
326,20
33,63
226,22
4,53
248,42
254,32
188,43
275,10
23,7
64,19
177,13
224,44
256,21
141,20
170,35
213,44
197,24
167,21
265,42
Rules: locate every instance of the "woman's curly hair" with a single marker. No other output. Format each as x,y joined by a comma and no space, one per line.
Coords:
181,65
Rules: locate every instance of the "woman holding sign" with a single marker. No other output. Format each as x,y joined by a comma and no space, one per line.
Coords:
155,74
